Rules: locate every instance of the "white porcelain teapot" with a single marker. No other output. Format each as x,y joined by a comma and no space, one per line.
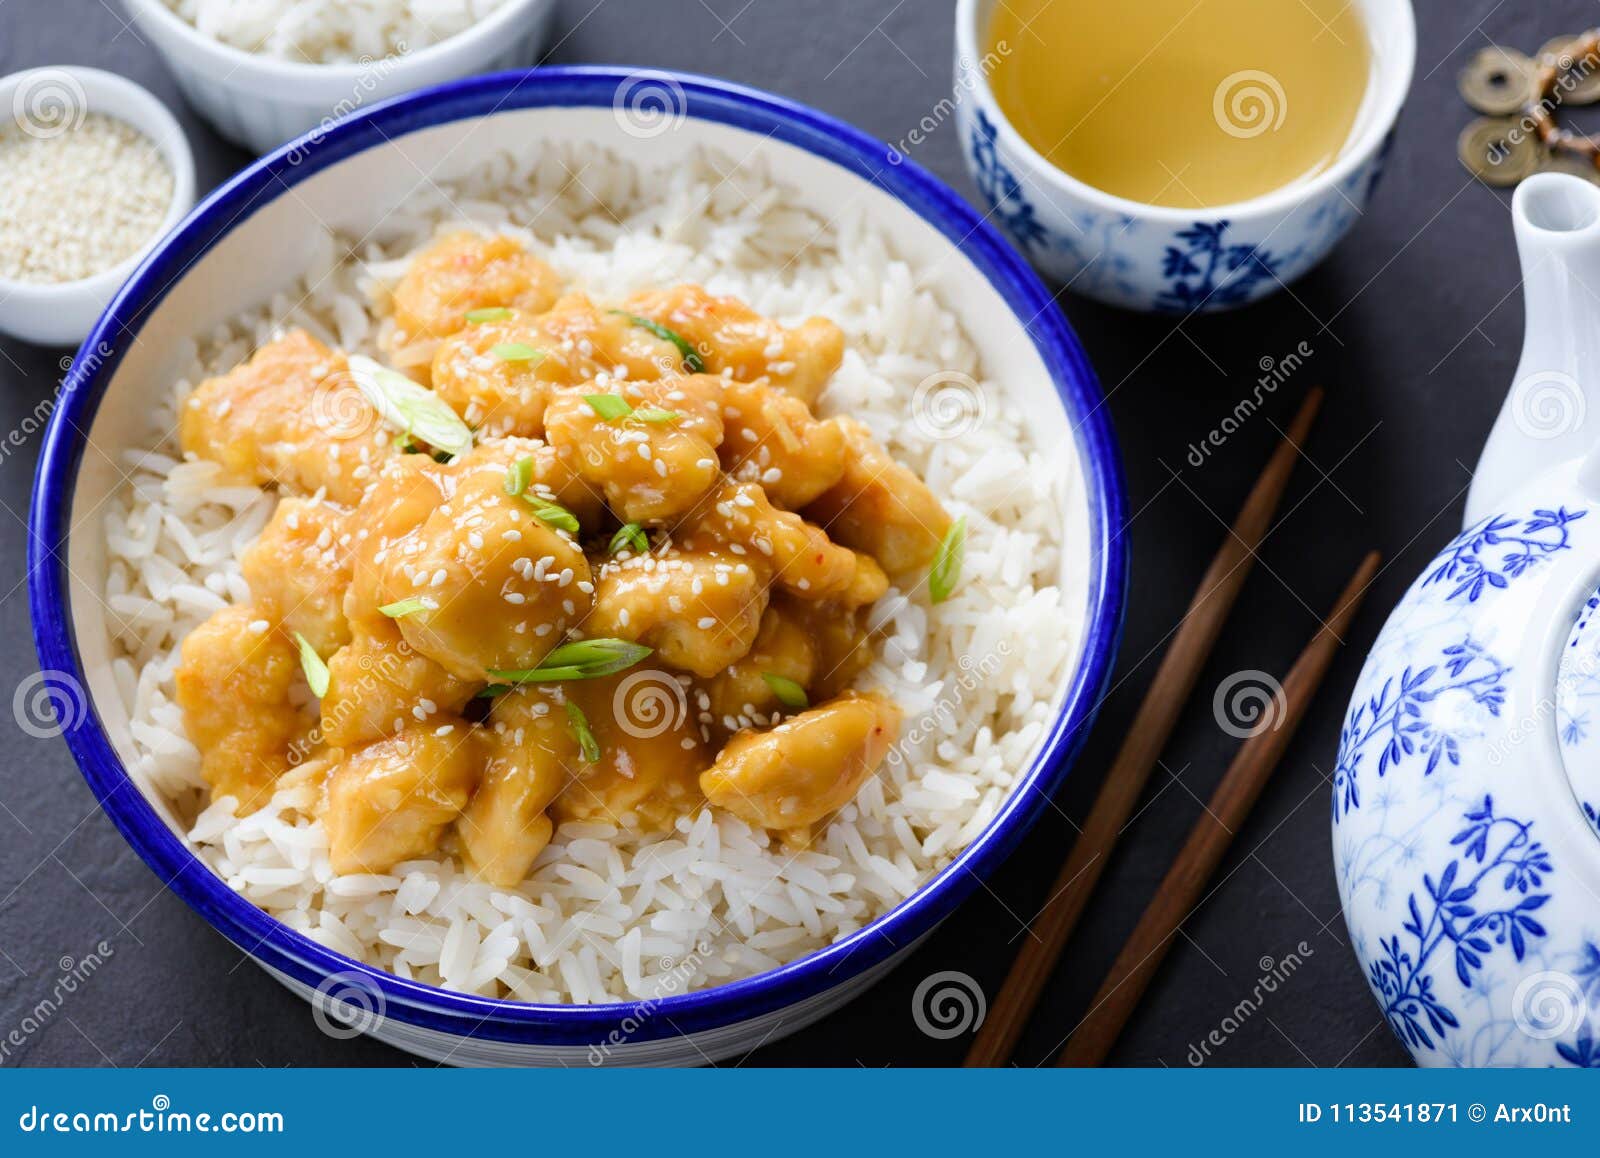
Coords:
1466,795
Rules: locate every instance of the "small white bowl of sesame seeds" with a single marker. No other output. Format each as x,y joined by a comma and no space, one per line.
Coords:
96,172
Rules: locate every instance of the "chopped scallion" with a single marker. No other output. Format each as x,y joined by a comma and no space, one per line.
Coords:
553,513
630,536
516,352
789,693
609,407
580,730
311,663
584,659
692,361
518,476
946,570
488,314
410,406
404,607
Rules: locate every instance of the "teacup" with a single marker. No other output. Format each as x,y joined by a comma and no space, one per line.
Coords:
1158,258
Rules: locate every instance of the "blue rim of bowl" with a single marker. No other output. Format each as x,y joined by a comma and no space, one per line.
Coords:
296,956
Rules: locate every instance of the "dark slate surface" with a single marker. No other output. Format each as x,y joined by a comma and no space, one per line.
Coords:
1413,326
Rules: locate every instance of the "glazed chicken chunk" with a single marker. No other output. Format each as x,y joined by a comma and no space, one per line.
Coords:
881,507
464,273
299,570
729,337
771,438
532,753
500,374
796,774
392,800
491,581
649,748
700,610
233,681
379,685
800,555
291,416
784,649
656,458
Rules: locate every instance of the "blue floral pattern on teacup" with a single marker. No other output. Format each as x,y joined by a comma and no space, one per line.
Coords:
1149,261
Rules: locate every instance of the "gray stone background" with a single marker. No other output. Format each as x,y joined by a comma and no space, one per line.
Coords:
1414,324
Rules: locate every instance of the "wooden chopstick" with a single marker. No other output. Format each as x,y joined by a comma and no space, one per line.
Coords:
1147,735
1209,839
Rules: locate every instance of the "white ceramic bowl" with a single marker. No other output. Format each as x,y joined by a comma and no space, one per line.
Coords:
1157,258
260,102
51,100
268,221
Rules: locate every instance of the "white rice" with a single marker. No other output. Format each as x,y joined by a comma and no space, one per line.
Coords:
608,914
332,31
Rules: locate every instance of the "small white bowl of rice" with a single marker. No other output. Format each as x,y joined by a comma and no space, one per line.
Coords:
619,946
266,71
93,171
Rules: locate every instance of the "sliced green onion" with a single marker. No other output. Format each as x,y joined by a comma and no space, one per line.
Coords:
656,416
789,693
488,314
609,407
692,361
518,476
311,663
516,352
553,513
580,730
492,691
584,659
946,570
411,407
404,607
632,536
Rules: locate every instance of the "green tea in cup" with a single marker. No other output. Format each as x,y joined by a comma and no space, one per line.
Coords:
1187,103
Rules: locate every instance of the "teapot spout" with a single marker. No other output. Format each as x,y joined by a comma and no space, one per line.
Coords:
1552,413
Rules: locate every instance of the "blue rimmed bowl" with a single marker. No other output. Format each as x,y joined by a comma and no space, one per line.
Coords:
255,235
